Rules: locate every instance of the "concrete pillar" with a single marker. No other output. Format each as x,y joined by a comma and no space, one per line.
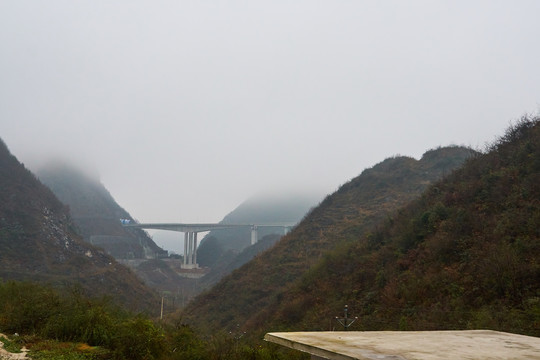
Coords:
195,249
190,249
185,247
254,234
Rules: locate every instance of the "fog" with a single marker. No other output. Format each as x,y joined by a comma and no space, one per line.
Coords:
187,108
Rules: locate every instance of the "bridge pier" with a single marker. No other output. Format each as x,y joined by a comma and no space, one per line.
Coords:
190,235
254,234
190,250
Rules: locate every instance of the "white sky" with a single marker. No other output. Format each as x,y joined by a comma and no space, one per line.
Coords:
188,108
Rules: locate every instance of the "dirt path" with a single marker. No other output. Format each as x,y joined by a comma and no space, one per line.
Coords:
5,355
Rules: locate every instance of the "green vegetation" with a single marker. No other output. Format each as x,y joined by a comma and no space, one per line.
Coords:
251,295
209,252
404,251
221,268
402,248
462,256
69,325
53,349
10,345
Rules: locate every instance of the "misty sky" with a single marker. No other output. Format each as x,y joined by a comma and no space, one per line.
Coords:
187,108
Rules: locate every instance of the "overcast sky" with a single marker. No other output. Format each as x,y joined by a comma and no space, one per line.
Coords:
187,108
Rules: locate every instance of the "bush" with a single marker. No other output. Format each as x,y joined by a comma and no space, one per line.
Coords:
82,321
25,307
138,338
185,345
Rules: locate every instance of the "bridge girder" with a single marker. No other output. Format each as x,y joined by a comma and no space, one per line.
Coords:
191,230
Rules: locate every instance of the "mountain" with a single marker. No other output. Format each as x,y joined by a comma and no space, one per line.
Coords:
225,250
39,242
262,209
249,294
230,260
96,213
465,255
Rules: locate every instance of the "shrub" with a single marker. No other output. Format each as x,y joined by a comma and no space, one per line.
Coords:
138,338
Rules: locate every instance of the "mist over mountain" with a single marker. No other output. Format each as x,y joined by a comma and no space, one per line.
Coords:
462,256
225,250
96,213
287,207
39,242
97,216
250,293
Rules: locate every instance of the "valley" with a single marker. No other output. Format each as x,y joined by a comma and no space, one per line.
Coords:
446,242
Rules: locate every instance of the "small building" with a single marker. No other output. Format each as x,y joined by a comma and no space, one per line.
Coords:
408,345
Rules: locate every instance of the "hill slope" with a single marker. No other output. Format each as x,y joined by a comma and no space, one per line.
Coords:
262,209
96,213
225,250
463,256
231,261
248,295
38,241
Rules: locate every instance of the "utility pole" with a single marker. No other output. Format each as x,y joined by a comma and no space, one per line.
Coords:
161,317
345,321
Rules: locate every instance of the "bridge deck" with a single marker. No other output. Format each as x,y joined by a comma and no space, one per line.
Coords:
202,227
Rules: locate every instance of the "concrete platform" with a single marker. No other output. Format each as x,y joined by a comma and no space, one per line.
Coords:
408,345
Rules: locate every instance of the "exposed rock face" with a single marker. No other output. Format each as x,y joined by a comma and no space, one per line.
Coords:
39,242
96,213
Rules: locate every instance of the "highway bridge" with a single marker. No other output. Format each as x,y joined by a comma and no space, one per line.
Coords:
190,234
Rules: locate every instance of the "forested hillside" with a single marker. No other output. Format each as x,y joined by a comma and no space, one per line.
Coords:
250,294
234,261
463,256
225,250
461,253
38,242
